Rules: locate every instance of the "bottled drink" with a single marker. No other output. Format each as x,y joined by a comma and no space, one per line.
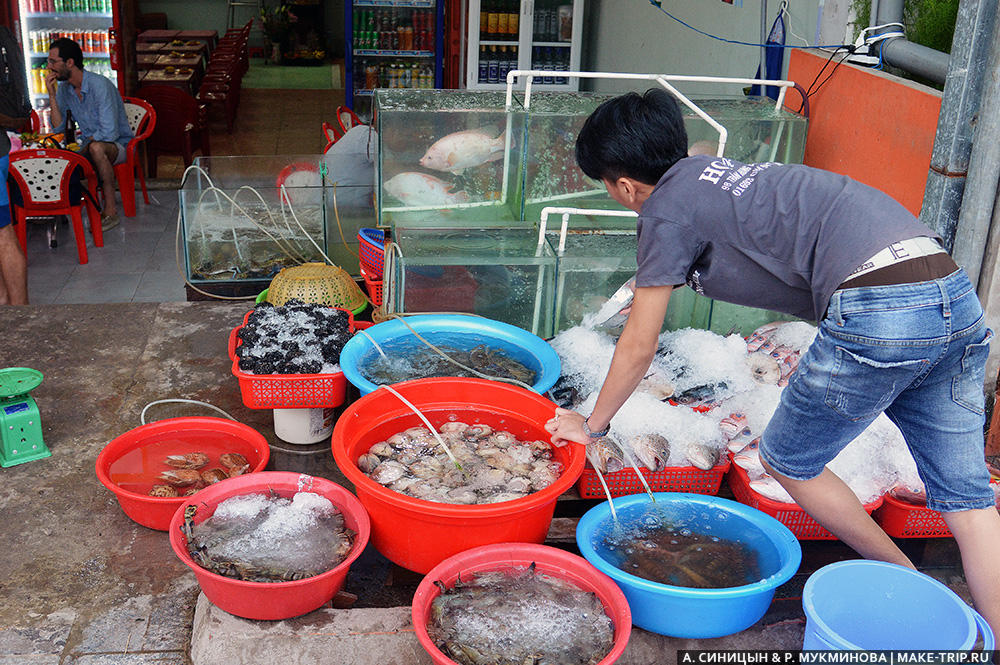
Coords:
562,65
501,20
506,64
484,66
494,66
491,19
484,27
513,16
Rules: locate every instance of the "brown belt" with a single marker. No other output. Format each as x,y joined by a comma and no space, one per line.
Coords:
920,269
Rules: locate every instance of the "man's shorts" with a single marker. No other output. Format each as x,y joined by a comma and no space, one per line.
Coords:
119,158
4,216
916,351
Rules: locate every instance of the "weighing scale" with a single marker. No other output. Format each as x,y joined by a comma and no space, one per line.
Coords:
20,424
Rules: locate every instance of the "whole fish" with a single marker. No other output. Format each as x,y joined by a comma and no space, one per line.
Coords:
456,152
421,189
701,456
651,450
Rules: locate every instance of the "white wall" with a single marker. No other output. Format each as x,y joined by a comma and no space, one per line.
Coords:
634,36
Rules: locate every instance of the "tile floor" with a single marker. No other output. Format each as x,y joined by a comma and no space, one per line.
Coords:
137,262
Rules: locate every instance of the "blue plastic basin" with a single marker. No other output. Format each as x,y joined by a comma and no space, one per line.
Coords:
689,612
456,331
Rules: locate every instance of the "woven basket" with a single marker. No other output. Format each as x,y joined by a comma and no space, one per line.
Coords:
316,283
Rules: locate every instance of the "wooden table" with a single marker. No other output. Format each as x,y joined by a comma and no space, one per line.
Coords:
157,35
146,60
150,47
209,37
184,81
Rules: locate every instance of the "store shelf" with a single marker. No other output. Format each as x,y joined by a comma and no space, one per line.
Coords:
549,44
394,3
85,55
392,53
68,15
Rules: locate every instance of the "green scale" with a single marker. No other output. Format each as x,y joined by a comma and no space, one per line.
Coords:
20,424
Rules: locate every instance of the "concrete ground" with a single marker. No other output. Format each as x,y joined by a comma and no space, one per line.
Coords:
85,585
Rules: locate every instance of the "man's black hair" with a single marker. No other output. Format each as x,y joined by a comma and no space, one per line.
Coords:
68,50
635,136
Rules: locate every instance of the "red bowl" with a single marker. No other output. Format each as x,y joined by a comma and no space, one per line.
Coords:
549,560
418,534
271,600
130,462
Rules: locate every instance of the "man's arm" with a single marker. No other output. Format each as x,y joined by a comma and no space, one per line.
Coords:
52,87
633,354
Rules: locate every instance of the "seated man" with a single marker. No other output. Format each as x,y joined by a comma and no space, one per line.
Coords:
14,113
97,109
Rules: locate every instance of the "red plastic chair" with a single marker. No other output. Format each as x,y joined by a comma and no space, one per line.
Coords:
43,178
181,125
331,133
142,120
347,118
36,122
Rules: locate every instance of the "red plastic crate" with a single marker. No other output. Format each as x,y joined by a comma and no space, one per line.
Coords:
673,479
901,519
789,514
373,286
287,391
371,251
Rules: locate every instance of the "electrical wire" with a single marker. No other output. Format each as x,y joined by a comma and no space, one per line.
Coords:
809,92
180,400
659,5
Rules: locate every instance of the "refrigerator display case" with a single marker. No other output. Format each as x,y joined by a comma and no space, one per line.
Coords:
392,44
523,34
90,23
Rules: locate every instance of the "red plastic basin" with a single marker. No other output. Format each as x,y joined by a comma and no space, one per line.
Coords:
418,534
549,560
271,600
139,454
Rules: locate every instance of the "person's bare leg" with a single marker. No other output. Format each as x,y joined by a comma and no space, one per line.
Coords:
102,156
13,269
977,533
829,501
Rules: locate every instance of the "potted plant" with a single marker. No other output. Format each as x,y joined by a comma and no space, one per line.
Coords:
276,23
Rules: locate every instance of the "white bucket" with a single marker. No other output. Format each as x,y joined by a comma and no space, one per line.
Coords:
303,426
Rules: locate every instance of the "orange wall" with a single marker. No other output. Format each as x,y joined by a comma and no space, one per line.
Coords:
871,126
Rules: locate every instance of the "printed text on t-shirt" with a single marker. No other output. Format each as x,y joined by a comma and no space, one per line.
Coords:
735,181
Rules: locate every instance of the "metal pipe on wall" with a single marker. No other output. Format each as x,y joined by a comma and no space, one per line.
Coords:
949,168
977,222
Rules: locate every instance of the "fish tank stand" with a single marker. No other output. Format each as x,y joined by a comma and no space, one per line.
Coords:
20,423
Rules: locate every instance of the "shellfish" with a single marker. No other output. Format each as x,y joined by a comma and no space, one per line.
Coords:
190,461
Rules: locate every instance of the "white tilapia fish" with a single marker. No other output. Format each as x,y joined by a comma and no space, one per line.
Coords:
456,152
421,189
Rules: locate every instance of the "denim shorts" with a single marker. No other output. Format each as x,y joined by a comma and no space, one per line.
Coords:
916,351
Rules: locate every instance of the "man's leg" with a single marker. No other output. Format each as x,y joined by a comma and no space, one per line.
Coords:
103,155
829,501
977,533
13,269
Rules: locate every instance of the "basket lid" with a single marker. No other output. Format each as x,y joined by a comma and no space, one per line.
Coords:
316,283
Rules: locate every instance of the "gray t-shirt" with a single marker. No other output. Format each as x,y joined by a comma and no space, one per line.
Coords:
776,236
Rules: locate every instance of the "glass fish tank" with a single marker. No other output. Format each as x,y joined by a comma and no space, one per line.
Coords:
246,218
348,207
593,265
447,158
757,132
500,273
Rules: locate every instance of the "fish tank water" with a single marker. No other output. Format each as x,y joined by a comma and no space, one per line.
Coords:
500,273
591,268
447,158
237,222
757,132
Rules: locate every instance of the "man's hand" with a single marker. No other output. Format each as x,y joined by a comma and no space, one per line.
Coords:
566,426
51,83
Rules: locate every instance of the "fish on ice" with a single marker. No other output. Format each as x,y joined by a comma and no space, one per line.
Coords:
421,189
462,150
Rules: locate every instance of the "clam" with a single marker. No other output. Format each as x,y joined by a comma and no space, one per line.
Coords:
388,472
235,463
368,462
213,475
189,461
453,427
382,449
163,491
181,477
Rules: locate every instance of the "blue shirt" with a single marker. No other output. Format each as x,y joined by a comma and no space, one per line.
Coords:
100,115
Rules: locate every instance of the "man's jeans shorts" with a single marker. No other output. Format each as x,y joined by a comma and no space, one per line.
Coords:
916,351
